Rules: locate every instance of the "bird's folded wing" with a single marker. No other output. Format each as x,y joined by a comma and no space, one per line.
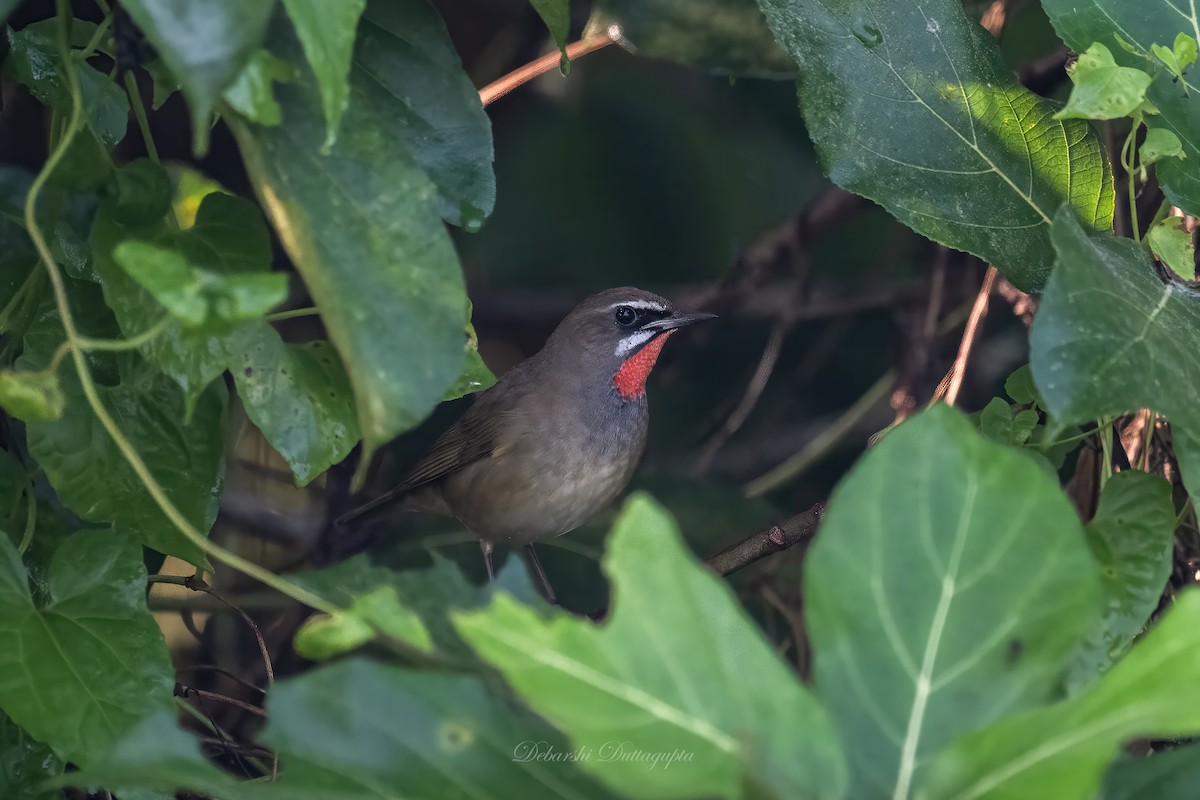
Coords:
477,435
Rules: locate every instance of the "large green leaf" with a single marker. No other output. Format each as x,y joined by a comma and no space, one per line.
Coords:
25,764
406,64
678,672
1111,337
975,586
911,105
326,31
362,225
1142,25
722,36
229,240
1169,775
81,460
1062,751
80,670
1132,536
205,44
300,398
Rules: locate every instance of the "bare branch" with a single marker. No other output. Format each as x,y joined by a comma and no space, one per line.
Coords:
790,532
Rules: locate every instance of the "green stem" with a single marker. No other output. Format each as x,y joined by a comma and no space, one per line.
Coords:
1130,149
1187,506
1161,214
139,113
1106,447
279,584
94,42
295,312
132,343
17,298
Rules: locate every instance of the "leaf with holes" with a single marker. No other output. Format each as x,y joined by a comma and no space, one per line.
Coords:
300,398
1132,537
1140,26
1110,337
1062,751
659,677
912,106
1102,89
78,671
978,586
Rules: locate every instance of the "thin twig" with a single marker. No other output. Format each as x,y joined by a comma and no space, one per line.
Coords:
781,536
750,398
952,383
518,77
824,442
184,691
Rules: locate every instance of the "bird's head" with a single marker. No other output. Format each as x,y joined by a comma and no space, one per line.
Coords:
621,332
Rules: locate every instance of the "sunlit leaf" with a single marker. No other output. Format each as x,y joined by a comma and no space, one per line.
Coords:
31,395
1103,90
1171,242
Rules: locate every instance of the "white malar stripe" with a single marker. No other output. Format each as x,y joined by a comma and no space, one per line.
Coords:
633,341
644,305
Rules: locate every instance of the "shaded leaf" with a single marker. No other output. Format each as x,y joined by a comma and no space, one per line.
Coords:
326,32
723,36
379,610
298,395
80,670
475,377
1140,26
362,226
1132,538
737,715
1103,326
557,16
978,585
252,94
205,44
1172,244
25,764
1170,775
31,395
1159,143
913,107
84,465
1062,751
139,193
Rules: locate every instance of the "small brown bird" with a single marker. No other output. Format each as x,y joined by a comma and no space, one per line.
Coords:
558,436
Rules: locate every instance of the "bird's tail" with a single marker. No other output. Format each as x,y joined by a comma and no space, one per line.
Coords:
366,508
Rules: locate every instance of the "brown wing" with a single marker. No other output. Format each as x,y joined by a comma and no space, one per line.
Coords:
476,435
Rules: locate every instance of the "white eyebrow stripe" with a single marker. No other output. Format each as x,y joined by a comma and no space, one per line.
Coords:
645,305
633,341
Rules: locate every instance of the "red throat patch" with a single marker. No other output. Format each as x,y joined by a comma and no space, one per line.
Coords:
630,379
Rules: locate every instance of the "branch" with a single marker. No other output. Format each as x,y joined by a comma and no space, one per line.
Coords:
790,532
522,75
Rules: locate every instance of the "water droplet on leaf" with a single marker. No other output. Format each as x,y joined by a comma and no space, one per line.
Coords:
564,65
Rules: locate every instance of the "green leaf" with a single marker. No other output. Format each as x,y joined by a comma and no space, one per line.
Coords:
228,241
326,32
66,245
324,636
1172,244
363,228
1141,25
1103,326
963,546
251,93
1132,537
1168,775
80,670
298,395
33,61
205,44
728,37
1187,451
139,193
1062,751
31,395
84,465
1160,143
665,678
1179,57
913,107
475,377
557,16
25,764
1021,388
407,69
7,7
437,736
194,295
1102,89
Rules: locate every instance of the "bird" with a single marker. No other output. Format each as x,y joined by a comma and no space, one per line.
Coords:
557,437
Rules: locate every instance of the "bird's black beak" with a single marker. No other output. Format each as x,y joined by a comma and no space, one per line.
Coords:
677,320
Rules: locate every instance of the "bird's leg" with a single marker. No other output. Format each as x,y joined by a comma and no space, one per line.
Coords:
486,547
541,573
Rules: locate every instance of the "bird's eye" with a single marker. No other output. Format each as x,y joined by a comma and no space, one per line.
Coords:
625,315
